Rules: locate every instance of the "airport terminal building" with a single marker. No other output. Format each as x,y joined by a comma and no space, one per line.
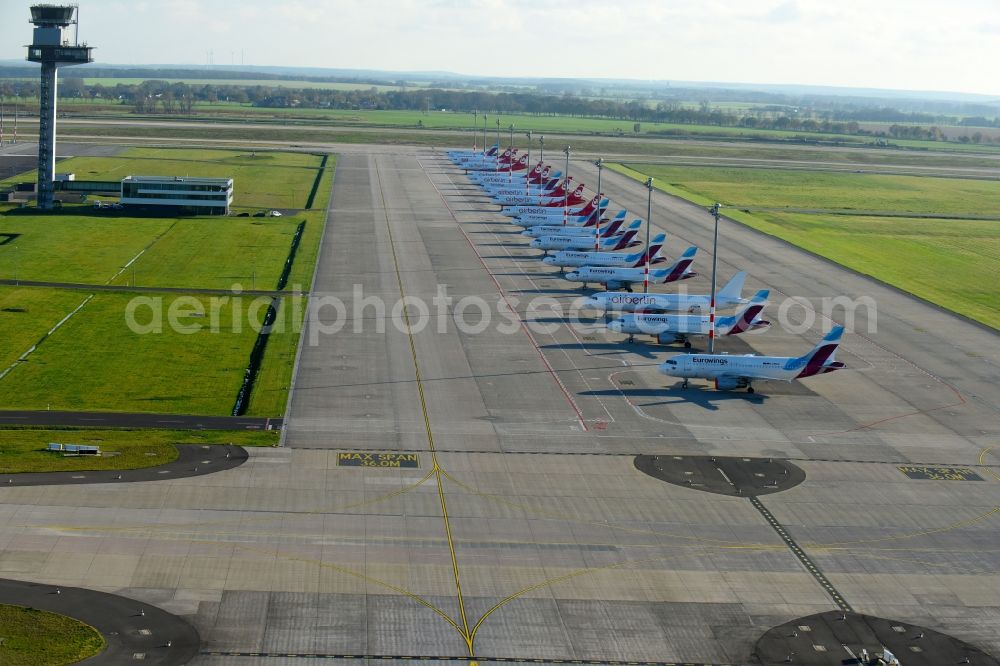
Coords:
206,195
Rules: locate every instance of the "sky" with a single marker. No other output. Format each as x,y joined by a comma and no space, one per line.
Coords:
894,44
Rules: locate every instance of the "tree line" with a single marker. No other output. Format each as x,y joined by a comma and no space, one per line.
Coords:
160,96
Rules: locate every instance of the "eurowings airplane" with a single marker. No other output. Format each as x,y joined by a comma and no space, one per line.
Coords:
620,301
732,372
559,242
624,278
587,228
570,258
668,328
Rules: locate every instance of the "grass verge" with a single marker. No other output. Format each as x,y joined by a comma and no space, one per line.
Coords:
23,449
816,190
35,637
942,261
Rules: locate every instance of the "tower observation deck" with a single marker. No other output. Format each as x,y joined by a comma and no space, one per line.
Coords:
52,48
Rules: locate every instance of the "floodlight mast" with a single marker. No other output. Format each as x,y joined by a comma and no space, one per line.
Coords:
566,189
649,223
541,157
527,179
52,49
715,265
597,234
498,144
485,116
510,162
475,128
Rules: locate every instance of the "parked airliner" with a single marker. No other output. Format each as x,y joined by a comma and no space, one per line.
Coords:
621,301
667,328
735,371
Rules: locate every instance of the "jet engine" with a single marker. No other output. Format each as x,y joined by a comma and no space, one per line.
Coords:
729,383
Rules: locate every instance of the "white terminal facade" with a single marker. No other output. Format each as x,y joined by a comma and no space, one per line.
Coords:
214,194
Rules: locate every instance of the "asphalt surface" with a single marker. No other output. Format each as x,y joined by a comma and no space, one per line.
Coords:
193,460
834,639
519,527
134,631
725,475
136,420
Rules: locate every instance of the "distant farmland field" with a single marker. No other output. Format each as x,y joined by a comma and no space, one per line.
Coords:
272,83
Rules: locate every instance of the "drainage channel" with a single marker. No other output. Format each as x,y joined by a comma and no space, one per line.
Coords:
803,557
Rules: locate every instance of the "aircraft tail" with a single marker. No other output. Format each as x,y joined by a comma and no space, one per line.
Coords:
576,196
640,258
590,207
613,226
733,290
537,176
679,271
520,165
821,358
622,241
745,318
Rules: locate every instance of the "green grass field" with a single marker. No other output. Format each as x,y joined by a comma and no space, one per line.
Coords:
185,252
74,248
941,260
767,188
95,361
27,314
200,253
35,637
23,449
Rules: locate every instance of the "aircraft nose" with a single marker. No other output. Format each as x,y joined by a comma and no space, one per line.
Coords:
573,276
615,326
549,261
536,243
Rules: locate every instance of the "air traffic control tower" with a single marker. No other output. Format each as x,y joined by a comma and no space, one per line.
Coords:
51,48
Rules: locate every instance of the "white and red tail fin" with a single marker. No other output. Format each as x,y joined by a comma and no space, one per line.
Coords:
536,177
520,165
576,197
590,206
745,318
